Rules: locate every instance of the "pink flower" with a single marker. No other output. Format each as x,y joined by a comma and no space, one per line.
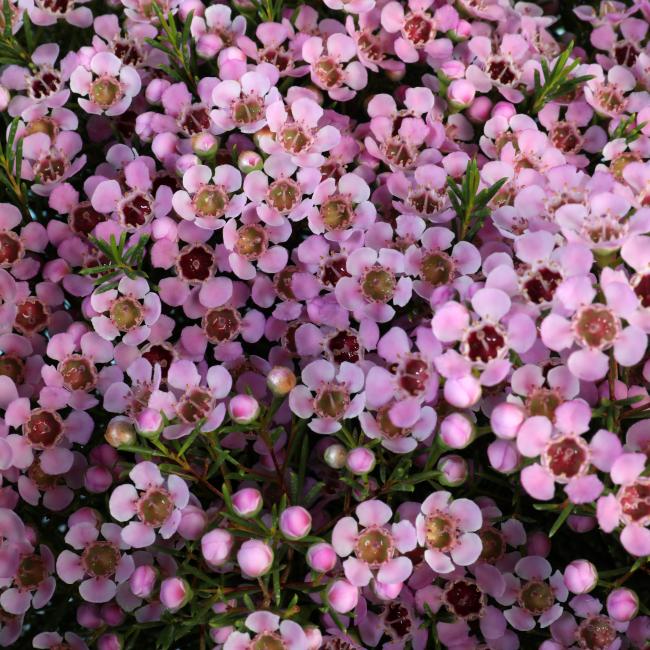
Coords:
216,29
445,528
267,629
53,641
156,502
376,547
100,565
332,68
45,14
607,94
333,391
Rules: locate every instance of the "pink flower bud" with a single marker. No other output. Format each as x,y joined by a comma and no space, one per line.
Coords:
580,577
506,419
504,109
503,455
255,558
479,111
295,522
321,557
247,502
461,93
216,547
175,593
462,393
109,642
88,616
360,460
456,431
143,581
243,409
342,596
149,423
205,145
314,637
120,431
112,614
454,470
193,522
622,604
539,543
281,380
249,161
335,456
98,479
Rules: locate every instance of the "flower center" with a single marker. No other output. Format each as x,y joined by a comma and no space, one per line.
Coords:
44,428
267,641
437,268
12,367
625,53
536,597
567,458
387,427
51,168
397,621
139,398
337,212
374,546
426,202
11,248
43,481
126,313
611,99
331,401
494,544
276,56
195,120
484,343
418,29
640,283
194,405
252,241
106,91
333,269
210,201
43,125
59,7
329,72
596,633
136,210
543,401
195,263
464,599
128,51
83,219
539,285
566,137
378,284
100,559
31,572
295,139
248,110
398,152
32,316
440,531
635,501
44,83
596,326
155,507
78,372
414,375
284,195
499,69
283,283
160,354
221,324
344,346
370,46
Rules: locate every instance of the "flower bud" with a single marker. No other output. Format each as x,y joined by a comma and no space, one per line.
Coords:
112,614
622,604
109,642
255,558
456,431
98,479
454,470
193,522
503,456
143,581
539,543
461,93
216,547
314,637
342,596
335,456
321,557
506,419
175,593
281,380
120,431
249,161
88,616
580,577
149,423
295,522
205,145
360,460
243,409
462,393
247,502
479,111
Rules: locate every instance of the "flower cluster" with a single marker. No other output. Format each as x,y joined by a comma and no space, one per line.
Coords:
324,325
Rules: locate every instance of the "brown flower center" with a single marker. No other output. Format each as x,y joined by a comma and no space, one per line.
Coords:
329,72
378,284
195,405
284,195
440,531
537,597
105,91
596,326
252,241
221,324
43,428
126,313
596,633
155,507
31,572
374,546
336,212
100,559
78,372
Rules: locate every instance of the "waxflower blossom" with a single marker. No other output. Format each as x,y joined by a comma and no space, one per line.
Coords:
156,502
267,629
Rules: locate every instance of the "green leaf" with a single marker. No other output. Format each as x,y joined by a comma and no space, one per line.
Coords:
568,509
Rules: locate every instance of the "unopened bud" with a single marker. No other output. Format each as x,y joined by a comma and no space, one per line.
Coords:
120,431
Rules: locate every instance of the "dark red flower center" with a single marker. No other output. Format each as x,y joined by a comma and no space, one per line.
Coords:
44,83
100,559
540,285
44,428
566,137
278,57
83,219
32,316
464,599
397,621
566,458
128,51
136,210
78,372
484,343
221,324
31,572
195,263
500,70
333,269
625,53
11,248
635,501
414,374
195,404
161,354
494,544
399,153
426,202
596,326
641,284
56,6
418,29
611,99
13,367
195,120
344,346
51,168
